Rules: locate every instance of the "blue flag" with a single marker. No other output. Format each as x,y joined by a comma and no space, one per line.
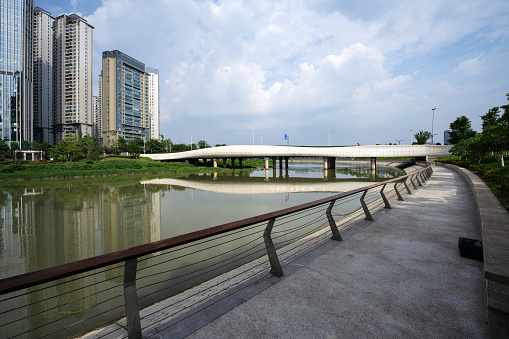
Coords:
286,137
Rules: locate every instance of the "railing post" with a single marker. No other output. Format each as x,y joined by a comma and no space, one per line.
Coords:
386,202
407,188
332,223
417,178
423,177
412,181
132,311
271,250
365,207
400,198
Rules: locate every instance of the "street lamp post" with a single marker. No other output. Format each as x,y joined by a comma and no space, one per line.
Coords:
399,141
432,120
410,137
261,139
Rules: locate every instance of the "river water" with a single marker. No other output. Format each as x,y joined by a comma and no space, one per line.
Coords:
48,223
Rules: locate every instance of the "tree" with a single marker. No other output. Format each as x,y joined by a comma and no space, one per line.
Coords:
135,147
505,116
89,147
122,144
154,146
166,144
4,148
491,118
68,148
180,147
498,137
422,137
203,144
461,129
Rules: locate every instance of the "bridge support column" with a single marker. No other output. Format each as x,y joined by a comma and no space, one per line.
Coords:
233,163
280,164
329,163
240,162
224,162
373,164
266,164
274,162
214,161
286,163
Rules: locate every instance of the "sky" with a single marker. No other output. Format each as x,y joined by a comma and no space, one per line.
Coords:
370,72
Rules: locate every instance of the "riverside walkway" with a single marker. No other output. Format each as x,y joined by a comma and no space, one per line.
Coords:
397,276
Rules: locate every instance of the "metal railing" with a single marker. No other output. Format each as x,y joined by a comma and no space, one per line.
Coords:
58,301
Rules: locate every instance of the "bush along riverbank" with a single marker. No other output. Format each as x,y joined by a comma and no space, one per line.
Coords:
19,170
492,173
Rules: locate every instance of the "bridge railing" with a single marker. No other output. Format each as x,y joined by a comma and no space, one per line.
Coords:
76,297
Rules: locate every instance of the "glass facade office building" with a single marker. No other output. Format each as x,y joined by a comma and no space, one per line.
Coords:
16,91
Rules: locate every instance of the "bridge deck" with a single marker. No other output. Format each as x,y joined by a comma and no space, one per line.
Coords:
399,276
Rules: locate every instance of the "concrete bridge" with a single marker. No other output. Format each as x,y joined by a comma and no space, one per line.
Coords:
328,153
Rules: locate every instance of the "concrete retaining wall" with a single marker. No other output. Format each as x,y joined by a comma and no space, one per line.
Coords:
494,223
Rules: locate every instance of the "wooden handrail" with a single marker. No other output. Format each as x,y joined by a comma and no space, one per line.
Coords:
30,279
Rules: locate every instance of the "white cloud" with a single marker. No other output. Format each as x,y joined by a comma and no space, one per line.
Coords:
258,65
470,67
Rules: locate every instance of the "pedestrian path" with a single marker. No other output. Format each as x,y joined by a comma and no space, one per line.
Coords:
398,276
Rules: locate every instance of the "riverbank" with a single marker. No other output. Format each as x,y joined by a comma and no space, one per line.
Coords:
109,167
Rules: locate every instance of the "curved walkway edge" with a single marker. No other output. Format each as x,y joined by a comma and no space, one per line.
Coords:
494,223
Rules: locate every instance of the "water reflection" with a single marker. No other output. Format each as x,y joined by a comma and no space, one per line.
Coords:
48,223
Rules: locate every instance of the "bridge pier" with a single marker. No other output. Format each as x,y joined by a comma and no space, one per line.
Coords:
373,164
240,162
224,162
266,164
329,163
274,162
280,164
214,161
286,163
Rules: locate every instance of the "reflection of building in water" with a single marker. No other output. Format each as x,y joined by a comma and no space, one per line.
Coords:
129,219
41,229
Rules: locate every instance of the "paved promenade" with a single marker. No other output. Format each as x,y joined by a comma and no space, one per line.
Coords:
399,276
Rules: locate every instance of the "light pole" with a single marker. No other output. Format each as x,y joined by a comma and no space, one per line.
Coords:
261,139
432,120
399,141
410,137
191,142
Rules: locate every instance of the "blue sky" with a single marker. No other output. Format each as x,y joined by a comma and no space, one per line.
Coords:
368,71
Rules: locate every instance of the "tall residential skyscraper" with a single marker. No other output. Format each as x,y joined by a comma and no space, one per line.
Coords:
16,49
153,102
98,120
72,76
125,102
43,75
96,117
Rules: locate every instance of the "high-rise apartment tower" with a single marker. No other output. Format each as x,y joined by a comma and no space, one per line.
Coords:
153,101
43,75
16,86
72,76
